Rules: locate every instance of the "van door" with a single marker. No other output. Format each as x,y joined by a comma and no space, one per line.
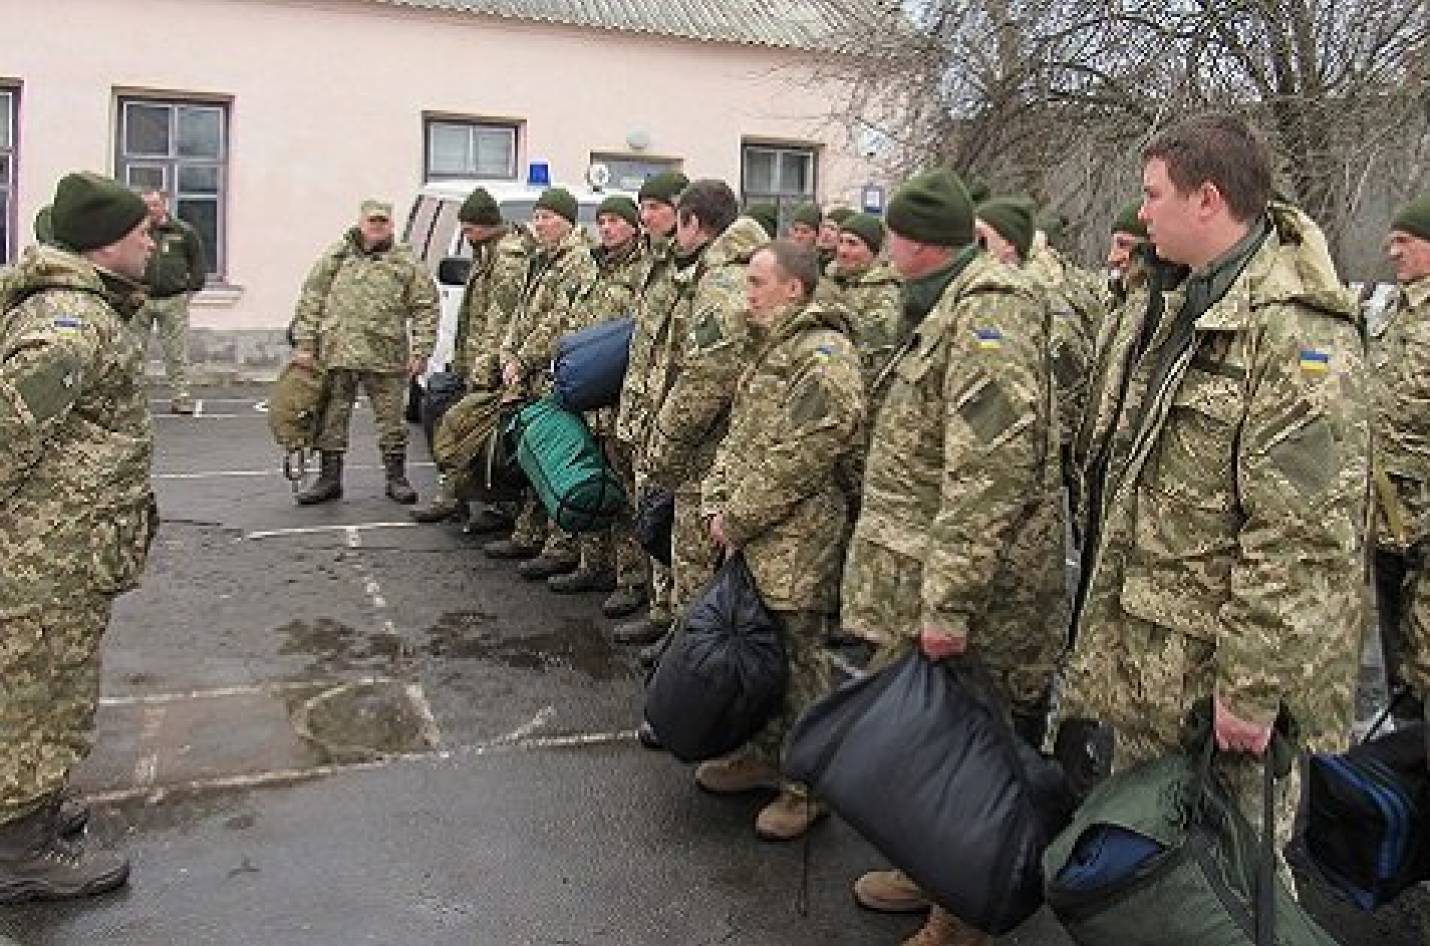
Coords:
446,240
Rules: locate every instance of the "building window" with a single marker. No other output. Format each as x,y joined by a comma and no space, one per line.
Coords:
470,149
779,175
181,149
7,175
628,173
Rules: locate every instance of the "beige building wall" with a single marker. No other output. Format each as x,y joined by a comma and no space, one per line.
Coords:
326,105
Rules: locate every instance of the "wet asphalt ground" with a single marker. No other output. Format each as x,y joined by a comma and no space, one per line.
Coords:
270,644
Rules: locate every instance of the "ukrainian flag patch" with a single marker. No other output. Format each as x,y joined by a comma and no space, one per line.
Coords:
1315,361
823,352
68,325
989,339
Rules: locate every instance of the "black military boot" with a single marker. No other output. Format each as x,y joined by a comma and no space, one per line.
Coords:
38,863
642,630
398,489
329,484
443,506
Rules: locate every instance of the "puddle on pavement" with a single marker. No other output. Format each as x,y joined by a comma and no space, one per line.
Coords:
336,646
363,720
578,645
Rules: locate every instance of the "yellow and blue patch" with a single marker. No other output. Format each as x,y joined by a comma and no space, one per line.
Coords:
1315,361
989,339
823,353
67,325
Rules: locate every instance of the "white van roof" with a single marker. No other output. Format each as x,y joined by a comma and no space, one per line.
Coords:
504,191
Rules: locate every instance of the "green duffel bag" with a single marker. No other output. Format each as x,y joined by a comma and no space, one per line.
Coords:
470,446
295,409
567,467
1160,855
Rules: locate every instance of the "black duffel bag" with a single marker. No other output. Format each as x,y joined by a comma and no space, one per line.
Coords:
922,760
655,521
443,390
1366,823
724,673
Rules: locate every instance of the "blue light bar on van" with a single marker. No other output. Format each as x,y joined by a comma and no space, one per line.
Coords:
538,174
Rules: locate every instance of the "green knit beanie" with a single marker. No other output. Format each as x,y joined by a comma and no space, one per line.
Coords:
558,200
1012,218
480,209
932,208
45,225
1414,218
866,227
664,187
767,216
622,207
1127,221
91,211
840,214
807,214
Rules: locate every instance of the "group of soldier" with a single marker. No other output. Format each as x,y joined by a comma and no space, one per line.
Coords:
898,423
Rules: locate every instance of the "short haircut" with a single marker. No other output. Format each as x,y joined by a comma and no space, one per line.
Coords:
1221,149
796,261
711,202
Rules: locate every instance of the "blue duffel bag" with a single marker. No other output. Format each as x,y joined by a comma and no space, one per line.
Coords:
590,365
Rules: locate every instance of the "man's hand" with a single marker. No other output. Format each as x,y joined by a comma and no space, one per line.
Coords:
717,531
510,373
1238,735
304,359
416,366
940,643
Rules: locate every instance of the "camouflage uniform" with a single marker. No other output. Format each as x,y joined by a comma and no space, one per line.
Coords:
961,518
701,356
1076,317
1225,549
177,269
797,410
492,291
1400,355
873,299
76,511
353,316
553,277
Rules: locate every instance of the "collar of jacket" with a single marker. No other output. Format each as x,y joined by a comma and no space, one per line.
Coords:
608,259
1414,294
355,241
877,273
922,294
793,320
573,239
49,267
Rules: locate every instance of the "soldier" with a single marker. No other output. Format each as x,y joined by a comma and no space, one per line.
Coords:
177,270
959,538
358,305
827,242
76,519
611,561
870,289
767,216
1401,358
499,257
697,364
773,495
557,270
640,400
1129,234
804,225
1224,553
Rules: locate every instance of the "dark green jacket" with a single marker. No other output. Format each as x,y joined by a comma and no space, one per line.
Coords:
178,263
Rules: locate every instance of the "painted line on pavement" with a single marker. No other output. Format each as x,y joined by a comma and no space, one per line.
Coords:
218,693
222,474
318,530
146,770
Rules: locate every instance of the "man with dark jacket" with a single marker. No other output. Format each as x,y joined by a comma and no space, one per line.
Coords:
176,271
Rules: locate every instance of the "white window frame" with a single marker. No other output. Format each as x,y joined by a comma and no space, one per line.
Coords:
474,127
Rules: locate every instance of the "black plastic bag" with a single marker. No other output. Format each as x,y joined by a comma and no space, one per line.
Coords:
724,674
921,760
443,390
655,521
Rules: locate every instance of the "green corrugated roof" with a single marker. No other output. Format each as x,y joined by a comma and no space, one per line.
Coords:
789,24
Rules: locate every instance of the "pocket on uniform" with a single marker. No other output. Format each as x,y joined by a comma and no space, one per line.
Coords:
121,543
1194,463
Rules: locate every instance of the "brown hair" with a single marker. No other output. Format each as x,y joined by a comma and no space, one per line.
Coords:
796,261
1221,149
711,202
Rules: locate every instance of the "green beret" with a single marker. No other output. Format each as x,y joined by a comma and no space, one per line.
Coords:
1414,218
866,227
91,211
45,225
767,216
480,209
840,214
622,207
807,214
558,200
1127,221
932,208
664,187
1012,218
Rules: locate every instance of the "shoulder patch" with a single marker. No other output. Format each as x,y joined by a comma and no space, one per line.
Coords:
708,331
988,339
809,402
68,324
1314,361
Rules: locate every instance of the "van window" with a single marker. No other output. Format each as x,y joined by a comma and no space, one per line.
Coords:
443,231
419,225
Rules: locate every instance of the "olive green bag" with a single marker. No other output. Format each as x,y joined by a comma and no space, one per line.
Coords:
295,411
471,448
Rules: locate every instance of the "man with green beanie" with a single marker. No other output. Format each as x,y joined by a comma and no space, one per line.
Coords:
804,224
1400,358
1005,228
77,516
958,545
559,268
767,215
368,316
499,258
1129,235
177,270
641,394
870,290
828,240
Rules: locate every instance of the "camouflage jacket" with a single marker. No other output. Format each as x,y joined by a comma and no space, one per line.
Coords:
1400,357
1076,315
76,509
358,306
610,294
704,353
1232,505
493,288
875,304
553,278
655,299
962,474
797,411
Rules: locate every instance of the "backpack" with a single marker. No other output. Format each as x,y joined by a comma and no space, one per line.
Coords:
471,447
295,410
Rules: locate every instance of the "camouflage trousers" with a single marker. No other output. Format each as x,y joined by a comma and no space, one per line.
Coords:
809,679
171,315
388,394
622,549
693,555
49,662
658,577
1403,603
